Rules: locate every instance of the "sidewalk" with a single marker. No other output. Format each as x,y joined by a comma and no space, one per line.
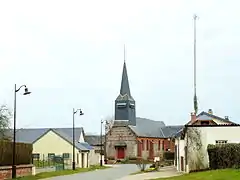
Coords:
164,172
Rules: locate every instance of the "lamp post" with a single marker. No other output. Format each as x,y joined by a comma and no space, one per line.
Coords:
101,141
101,144
26,92
73,131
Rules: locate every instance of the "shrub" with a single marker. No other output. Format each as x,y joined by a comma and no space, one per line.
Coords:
23,153
168,155
224,156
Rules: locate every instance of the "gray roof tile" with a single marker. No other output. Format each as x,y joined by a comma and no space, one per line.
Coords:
32,135
94,139
149,128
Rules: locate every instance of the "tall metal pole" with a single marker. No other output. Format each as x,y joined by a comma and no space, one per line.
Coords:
105,144
14,136
73,131
195,79
101,146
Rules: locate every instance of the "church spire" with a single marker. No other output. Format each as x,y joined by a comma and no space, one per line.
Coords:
125,84
124,103
125,89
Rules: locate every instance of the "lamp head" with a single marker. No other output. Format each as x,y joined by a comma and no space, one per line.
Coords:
26,92
80,112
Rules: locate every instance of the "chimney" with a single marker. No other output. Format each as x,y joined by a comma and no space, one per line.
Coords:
193,117
226,118
210,111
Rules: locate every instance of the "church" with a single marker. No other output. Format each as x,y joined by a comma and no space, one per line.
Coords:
133,137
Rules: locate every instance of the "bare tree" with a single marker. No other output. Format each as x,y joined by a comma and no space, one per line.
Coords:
109,123
5,116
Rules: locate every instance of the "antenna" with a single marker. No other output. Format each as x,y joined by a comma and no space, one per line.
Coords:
195,79
124,54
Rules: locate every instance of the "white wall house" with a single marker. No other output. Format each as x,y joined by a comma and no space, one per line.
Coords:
192,141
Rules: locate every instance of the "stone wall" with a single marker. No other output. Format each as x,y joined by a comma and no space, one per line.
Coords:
121,133
22,170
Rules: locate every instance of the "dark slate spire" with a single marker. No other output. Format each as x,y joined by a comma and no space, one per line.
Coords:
125,84
125,113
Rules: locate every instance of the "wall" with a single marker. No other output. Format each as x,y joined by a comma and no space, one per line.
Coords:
180,153
22,170
45,145
198,157
128,136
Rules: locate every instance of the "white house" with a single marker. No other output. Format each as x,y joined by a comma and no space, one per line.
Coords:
191,142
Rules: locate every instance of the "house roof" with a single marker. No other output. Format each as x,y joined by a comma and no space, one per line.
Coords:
150,128
94,139
207,116
32,135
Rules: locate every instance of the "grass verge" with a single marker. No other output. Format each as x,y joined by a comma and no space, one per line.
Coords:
225,174
62,173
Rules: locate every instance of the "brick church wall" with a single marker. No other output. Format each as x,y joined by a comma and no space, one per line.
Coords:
117,134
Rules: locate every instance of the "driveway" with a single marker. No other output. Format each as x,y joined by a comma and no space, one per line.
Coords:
164,172
116,172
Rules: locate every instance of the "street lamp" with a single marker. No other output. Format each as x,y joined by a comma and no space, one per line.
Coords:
26,92
73,131
101,139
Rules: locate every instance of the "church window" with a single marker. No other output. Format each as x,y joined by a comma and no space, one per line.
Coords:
121,105
132,106
159,145
143,144
147,145
163,145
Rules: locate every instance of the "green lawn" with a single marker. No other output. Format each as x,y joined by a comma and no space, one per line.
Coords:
61,173
226,174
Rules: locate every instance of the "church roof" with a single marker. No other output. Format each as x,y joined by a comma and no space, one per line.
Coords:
150,128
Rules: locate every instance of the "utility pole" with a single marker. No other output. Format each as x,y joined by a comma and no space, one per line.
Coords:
195,102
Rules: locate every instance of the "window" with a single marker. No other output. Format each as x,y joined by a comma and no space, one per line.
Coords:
147,145
163,145
121,105
143,145
51,155
220,142
131,105
36,156
66,155
159,145
204,122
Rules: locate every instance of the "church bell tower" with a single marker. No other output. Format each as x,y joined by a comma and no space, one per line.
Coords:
125,110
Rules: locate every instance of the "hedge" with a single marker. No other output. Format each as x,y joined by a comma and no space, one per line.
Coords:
224,156
168,155
23,153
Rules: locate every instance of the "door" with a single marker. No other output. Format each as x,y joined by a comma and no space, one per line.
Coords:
83,160
120,153
182,169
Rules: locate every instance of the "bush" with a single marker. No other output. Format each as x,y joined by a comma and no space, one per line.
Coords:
168,155
23,153
224,156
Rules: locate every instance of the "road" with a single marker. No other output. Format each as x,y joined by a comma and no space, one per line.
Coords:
116,172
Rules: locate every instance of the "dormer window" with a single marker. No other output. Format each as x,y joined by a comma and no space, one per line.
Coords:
121,105
132,106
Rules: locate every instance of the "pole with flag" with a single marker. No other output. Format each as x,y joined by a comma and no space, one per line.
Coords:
195,89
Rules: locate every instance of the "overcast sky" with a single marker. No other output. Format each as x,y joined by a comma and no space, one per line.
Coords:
70,54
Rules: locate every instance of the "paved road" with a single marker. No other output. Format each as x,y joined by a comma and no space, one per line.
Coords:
116,172
164,172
